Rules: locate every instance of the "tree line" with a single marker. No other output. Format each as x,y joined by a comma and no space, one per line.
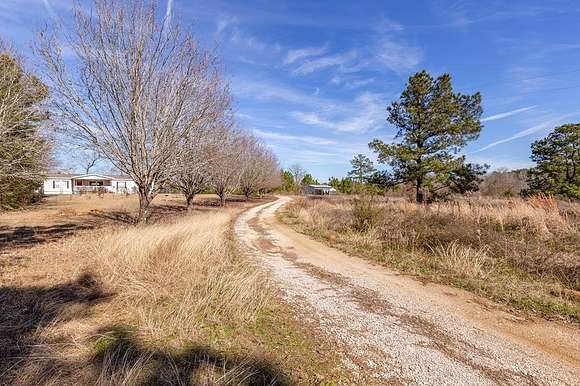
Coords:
141,91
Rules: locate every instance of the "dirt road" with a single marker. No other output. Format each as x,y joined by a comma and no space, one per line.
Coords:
391,329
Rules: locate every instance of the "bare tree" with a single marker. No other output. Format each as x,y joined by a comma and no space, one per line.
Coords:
89,158
204,145
259,169
298,173
224,172
136,88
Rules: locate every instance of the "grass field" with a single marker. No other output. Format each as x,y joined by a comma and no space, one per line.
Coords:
523,253
88,298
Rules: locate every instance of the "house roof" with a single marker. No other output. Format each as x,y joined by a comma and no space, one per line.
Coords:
85,176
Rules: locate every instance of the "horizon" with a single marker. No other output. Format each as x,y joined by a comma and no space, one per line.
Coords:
314,81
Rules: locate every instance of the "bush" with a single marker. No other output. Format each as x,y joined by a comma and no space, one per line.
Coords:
365,213
16,193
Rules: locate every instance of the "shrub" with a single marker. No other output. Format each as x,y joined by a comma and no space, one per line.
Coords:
365,213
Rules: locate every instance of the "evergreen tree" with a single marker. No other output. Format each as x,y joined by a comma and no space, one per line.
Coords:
24,153
287,181
434,124
362,168
334,182
309,180
557,159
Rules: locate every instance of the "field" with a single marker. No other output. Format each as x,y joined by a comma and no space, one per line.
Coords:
88,298
521,253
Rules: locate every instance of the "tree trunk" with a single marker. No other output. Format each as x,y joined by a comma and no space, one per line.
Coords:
144,201
189,201
418,191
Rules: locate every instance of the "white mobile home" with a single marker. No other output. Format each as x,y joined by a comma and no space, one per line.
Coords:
59,183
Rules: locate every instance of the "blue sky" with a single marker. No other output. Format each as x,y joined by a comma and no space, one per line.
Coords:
313,78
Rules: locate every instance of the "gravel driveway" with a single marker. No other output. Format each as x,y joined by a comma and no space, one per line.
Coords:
391,329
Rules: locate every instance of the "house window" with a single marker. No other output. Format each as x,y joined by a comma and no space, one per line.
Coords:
79,182
67,184
53,184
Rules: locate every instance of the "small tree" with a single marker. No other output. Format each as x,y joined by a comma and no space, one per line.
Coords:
135,89
24,152
203,145
224,172
434,124
258,168
193,162
287,181
362,168
557,159
298,173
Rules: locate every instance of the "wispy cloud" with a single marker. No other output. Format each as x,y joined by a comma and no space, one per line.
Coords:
507,114
364,114
295,138
524,133
224,22
168,15
398,55
267,91
301,53
312,65
49,8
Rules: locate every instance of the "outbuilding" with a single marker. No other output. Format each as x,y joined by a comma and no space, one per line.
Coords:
319,190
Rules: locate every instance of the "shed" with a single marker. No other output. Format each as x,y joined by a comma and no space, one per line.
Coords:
319,190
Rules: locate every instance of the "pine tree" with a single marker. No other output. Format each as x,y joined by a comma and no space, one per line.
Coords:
434,124
362,168
557,159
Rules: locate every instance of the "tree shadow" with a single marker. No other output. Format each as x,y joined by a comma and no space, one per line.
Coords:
25,311
117,216
116,356
21,236
119,355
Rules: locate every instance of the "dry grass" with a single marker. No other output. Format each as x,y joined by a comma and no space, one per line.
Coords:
171,276
523,253
172,302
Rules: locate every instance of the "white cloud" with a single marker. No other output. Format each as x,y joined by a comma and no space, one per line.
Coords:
356,83
365,113
310,66
263,90
507,114
524,133
388,25
397,55
301,53
224,22
295,138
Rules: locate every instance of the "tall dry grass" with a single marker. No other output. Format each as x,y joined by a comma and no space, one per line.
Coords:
148,311
171,276
521,252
